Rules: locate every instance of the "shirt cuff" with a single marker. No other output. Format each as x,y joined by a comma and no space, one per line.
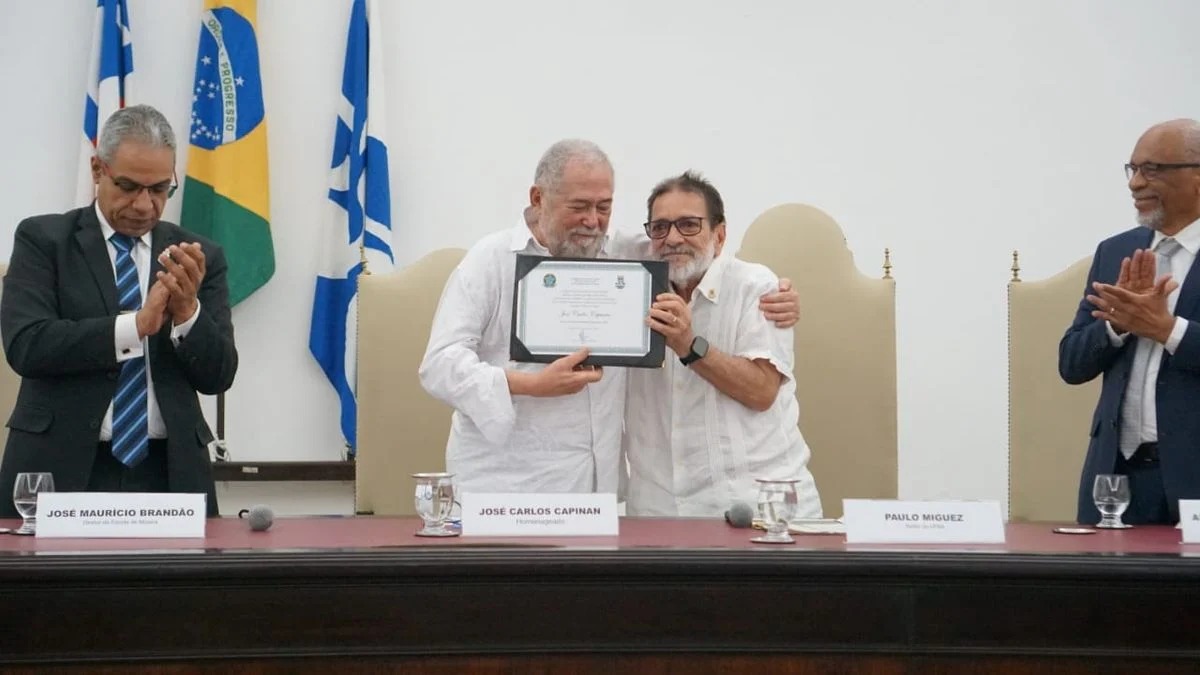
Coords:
125,337
179,332
1113,338
1177,333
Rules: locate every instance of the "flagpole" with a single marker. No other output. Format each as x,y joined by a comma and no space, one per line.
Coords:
362,257
221,416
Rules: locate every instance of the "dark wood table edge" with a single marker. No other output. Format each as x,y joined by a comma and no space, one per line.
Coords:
283,471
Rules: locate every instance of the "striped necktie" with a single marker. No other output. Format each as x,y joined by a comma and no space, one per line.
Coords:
130,435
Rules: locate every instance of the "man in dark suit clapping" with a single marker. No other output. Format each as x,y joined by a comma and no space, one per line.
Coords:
1139,326
115,320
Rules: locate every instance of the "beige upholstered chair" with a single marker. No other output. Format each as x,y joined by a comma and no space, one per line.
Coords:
401,429
845,352
10,382
1048,420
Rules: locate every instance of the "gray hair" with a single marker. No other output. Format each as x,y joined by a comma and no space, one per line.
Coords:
139,123
554,161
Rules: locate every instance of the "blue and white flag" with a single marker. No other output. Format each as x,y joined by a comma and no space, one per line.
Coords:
360,234
109,70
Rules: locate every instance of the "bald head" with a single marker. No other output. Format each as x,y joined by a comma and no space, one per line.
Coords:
1165,185
1182,134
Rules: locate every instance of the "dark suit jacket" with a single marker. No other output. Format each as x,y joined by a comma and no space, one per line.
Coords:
1085,352
57,319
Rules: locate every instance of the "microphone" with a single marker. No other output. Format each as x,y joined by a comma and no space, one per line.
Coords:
261,517
740,514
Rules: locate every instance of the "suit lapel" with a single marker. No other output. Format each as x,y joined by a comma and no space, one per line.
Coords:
95,255
1190,293
1141,239
160,238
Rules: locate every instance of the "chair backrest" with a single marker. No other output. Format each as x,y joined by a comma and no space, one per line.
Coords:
845,347
1047,418
10,382
401,429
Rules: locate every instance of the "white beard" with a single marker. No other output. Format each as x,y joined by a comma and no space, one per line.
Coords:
566,248
690,271
1152,220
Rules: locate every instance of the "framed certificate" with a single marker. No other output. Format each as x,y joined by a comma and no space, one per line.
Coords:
562,304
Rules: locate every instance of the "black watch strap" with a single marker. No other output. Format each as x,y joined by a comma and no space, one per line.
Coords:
698,350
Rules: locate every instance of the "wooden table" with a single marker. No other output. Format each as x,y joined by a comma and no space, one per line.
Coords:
365,595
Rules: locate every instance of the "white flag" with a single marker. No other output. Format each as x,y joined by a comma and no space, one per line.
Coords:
109,70
360,230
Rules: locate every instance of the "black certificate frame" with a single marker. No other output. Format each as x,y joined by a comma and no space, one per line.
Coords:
654,355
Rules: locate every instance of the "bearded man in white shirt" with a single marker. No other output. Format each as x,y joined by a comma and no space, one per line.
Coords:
529,427
701,429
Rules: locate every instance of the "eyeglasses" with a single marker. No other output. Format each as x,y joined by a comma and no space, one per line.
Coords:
687,226
131,189
1150,170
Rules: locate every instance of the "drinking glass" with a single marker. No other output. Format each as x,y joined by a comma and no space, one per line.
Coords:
1111,494
434,502
776,508
25,492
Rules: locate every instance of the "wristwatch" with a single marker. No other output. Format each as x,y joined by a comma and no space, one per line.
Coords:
699,349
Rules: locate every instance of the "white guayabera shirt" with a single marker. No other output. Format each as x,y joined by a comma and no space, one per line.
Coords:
692,450
500,442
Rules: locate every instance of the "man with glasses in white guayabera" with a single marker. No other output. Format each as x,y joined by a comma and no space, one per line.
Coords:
1138,326
722,411
115,320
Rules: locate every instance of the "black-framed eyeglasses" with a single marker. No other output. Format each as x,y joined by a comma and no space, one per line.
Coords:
131,189
1150,170
687,226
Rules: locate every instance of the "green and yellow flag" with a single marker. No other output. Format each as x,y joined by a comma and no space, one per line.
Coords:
226,192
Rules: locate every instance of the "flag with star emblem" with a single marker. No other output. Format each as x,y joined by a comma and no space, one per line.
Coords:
360,232
225,193
109,71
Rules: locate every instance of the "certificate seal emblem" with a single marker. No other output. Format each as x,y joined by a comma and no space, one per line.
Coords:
549,281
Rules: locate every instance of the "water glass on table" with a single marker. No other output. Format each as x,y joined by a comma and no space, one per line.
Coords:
777,503
1110,492
25,492
434,502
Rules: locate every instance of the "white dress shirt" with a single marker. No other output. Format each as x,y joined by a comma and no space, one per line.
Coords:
125,334
1139,412
500,442
692,450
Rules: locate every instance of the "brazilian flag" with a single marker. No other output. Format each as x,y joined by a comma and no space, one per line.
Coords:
226,196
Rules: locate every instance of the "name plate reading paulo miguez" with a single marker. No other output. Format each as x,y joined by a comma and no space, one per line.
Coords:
1189,520
889,521
120,514
539,515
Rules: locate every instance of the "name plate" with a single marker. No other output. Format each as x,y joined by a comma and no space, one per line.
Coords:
120,514
887,521
539,515
1189,520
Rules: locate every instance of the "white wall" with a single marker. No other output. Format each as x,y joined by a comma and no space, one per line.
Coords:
951,132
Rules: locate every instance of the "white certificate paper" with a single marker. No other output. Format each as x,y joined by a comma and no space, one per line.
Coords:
562,305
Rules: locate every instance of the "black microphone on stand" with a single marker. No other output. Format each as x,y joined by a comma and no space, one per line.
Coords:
740,514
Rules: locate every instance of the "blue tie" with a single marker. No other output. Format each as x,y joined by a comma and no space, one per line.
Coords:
130,435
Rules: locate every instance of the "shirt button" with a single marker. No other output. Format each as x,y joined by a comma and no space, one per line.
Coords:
711,294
